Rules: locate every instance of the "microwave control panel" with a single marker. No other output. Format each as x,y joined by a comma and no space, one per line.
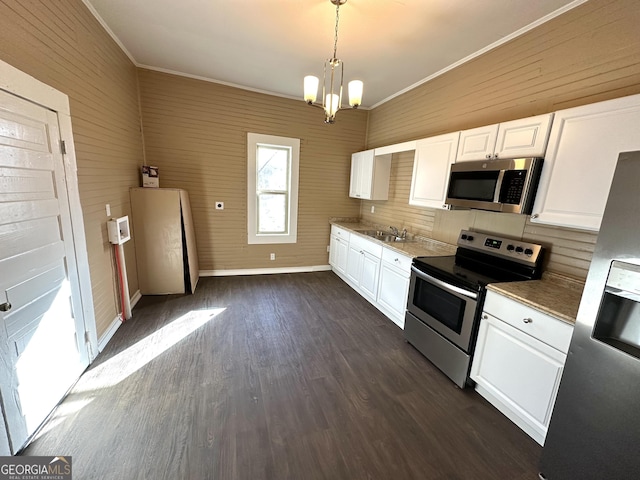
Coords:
513,185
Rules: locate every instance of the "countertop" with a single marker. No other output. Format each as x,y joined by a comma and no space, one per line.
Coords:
416,246
554,294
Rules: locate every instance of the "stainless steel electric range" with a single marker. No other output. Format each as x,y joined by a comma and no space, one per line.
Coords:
446,295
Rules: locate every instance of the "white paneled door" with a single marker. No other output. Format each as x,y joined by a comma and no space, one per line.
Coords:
42,342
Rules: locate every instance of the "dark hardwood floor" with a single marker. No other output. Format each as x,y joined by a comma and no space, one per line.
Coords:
297,378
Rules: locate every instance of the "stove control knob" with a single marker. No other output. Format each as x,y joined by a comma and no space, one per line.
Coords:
463,236
510,248
470,238
519,249
528,252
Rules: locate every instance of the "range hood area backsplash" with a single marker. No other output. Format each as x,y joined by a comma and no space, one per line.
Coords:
569,251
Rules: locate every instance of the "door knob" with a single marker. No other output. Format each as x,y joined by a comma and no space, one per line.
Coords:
5,307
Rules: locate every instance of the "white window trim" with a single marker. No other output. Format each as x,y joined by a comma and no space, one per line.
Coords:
253,140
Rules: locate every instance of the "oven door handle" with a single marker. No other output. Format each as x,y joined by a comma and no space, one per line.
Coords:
443,285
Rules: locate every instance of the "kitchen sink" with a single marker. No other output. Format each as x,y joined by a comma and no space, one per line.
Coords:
381,235
374,233
389,238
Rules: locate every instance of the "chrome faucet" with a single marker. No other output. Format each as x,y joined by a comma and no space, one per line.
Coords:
395,231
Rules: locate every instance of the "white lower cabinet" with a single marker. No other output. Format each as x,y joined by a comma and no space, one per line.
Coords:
395,272
338,248
379,274
363,265
518,362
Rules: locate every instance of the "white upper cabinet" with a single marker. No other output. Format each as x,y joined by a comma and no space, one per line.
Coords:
477,143
370,175
583,150
431,164
525,137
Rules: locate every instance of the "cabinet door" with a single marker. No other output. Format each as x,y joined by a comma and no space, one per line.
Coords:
477,143
362,164
431,165
518,374
367,161
354,263
333,250
581,157
526,137
340,258
354,183
369,274
393,291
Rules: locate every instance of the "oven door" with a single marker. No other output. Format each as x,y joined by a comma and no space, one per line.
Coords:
447,309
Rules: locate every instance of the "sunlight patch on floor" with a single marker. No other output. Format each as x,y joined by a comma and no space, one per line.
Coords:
124,364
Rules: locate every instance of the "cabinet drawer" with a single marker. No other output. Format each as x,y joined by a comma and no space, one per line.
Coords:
398,260
340,232
550,330
360,243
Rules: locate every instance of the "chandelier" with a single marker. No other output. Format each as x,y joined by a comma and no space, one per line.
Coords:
332,81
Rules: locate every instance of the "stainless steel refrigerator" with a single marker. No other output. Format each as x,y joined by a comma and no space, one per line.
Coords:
595,425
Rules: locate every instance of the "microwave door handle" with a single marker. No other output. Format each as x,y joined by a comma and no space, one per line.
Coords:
443,285
496,194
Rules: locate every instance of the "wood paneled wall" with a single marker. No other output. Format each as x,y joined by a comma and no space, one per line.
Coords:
61,44
196,133
589,54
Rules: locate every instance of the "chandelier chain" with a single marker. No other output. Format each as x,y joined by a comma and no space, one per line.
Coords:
335,38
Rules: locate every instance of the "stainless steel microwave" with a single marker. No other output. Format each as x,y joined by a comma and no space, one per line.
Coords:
497,185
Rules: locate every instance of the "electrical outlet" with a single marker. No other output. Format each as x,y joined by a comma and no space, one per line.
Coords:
272,256
219,205
373,209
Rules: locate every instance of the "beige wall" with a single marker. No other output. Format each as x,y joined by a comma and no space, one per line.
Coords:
196,133
589,54
61,44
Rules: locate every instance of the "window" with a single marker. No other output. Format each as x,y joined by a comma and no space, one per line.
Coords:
272,176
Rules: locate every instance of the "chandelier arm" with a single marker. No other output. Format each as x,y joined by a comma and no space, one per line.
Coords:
316,104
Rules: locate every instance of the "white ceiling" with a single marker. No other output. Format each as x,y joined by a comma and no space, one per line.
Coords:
270,45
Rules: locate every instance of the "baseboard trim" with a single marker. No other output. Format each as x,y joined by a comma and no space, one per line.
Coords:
264,271
115,324
135,298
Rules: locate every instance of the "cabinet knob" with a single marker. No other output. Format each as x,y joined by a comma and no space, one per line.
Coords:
495,156
488,156
485,317
5,307
527,320
535,215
